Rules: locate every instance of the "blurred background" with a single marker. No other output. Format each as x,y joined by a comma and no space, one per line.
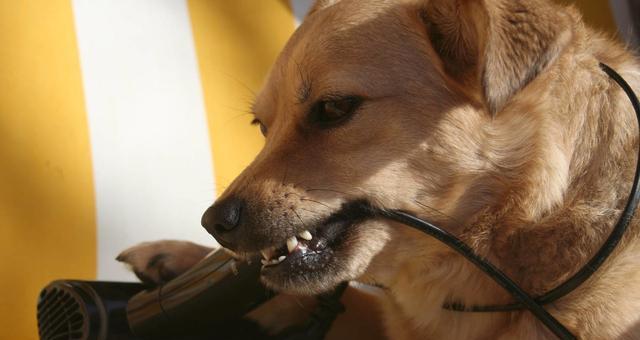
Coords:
121,120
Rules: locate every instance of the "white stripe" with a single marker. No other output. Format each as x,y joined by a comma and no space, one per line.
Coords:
300,9
151,153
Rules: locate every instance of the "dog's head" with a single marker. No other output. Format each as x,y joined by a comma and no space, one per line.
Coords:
396,104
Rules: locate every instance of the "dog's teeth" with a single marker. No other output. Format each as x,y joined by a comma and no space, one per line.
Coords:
281,258
292,243
305,235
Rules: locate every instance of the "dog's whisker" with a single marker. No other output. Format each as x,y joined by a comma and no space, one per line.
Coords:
314,201
284,178
328,190
310,211
298,301
437,211
299,218
251,91
294,194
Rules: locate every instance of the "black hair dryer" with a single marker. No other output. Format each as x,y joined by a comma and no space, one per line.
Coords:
208,302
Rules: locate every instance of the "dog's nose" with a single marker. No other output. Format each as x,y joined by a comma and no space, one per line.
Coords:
221,220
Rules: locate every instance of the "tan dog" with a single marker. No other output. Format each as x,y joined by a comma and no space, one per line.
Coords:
490,118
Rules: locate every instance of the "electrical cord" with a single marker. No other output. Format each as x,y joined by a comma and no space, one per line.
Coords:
534,305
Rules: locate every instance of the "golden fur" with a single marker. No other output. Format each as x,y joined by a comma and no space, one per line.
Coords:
490,118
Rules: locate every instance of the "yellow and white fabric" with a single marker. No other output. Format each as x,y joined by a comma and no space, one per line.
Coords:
119,122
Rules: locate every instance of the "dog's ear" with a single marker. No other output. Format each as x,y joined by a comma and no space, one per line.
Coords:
495,47
321,4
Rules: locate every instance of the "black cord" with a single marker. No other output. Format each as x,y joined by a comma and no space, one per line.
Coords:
329,306
623,221
498,276
608,246
525,300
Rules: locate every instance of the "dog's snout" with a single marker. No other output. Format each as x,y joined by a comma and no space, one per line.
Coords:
222,219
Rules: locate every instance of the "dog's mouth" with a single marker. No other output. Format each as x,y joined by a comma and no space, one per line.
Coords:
306,249
313,257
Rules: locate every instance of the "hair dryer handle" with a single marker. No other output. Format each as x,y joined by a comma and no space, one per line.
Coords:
205,300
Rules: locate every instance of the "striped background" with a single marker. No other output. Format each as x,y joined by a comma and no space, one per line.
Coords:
119,122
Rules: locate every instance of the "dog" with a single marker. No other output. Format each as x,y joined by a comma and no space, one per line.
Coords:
490,118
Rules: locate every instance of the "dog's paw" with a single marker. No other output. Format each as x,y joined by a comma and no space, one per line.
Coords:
158,262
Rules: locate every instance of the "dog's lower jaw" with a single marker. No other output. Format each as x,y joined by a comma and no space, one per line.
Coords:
342,262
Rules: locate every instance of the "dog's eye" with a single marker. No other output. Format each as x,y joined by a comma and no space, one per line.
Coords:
333,111
263,128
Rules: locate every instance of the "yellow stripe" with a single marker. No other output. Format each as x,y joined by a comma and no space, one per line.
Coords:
236,42
46,191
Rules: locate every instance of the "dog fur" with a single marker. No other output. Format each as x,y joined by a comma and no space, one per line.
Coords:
490,118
